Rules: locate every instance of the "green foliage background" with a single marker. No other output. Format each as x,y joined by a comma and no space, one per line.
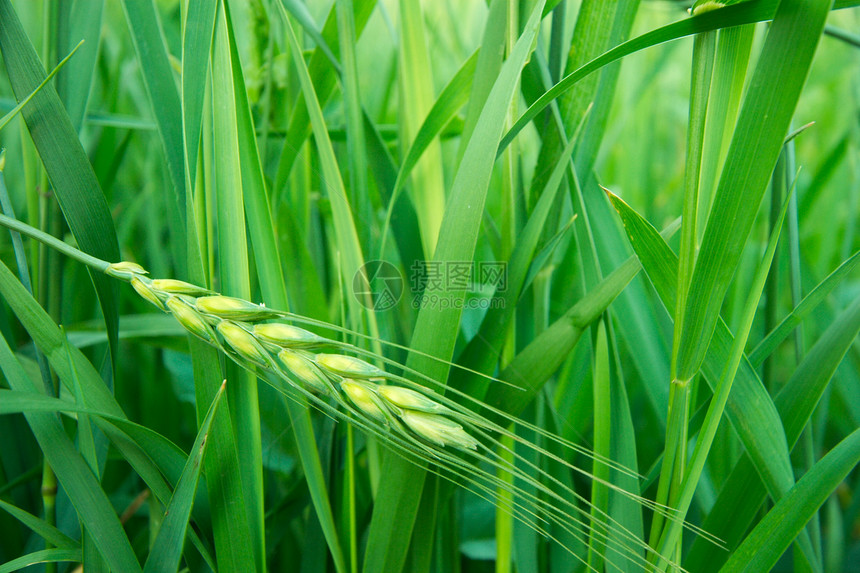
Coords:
268,149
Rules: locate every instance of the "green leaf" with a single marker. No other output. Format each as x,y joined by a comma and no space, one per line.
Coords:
401,217
44,556
536,363
784,62
701,6
766,347
160,82
50,340
350,262
453,97
196,46
602,447
795,403
300,12
360,197
324,82
623,509
78,22
166,551
599,25
228,195
722,389
65,161
39,526
490,60
744,13
750,408
771,537
351,258
92,505
14,111
704,47
733,57
483,350
396,505
86,438
269,271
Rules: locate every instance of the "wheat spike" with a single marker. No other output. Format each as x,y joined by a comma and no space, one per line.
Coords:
410,417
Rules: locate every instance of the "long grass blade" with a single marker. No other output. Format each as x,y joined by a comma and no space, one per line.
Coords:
17,109
755,146
815,297
148,37
79,22
234,275
324,82
351,257
167,550
92,505
736,15
44,556
763,547
530,369
795,404
394,513
197,36
39,526
428,188
66,163
716,408
750,408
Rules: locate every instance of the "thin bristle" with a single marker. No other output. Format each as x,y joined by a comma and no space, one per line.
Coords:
405,414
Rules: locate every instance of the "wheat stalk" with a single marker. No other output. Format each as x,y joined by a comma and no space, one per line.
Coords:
237,327
423,426
410,417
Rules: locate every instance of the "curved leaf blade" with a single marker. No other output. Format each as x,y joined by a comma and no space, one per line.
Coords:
773,93
772,536
65,161
167,550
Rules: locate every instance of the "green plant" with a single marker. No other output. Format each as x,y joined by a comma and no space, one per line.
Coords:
561,412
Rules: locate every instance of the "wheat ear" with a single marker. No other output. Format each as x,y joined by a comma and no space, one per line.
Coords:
238,327
413,419
422,426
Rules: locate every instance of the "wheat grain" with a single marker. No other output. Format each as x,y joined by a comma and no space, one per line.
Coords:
274,346
408,416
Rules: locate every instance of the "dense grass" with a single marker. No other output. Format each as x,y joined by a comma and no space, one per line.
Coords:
668,376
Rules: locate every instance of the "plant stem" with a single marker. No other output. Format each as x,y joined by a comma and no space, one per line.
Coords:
350,473
54,243
674,461
49,502
49,479
672,533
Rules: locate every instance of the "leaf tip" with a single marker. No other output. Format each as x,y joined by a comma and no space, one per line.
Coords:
613,198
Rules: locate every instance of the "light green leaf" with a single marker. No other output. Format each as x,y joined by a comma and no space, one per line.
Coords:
435,332
72,177
784,62
771,537
166,551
